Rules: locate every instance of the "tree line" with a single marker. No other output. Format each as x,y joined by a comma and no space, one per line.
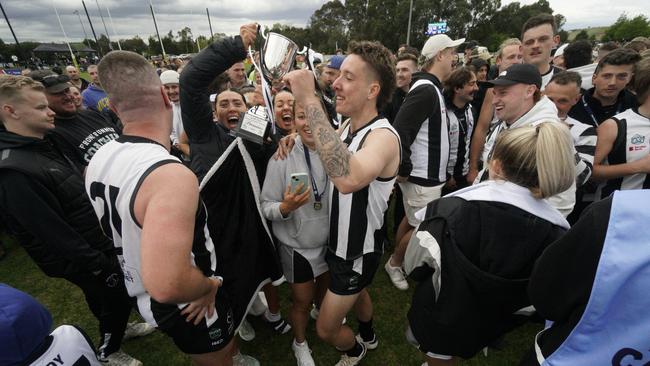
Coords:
334,24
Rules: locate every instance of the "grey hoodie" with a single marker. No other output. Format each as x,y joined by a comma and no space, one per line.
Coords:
544,110
306,227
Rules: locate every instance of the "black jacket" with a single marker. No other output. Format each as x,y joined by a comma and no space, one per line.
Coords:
423,105
488,250
43,201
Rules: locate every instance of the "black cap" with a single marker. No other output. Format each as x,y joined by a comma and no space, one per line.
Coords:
53,82
518,74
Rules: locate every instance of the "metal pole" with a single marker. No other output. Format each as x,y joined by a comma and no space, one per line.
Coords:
153,15
19,51
82,26
101,52
65,36
210,23
408,31
110,46
113,27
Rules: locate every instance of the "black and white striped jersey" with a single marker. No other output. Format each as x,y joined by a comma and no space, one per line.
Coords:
632,143
584,139
422,126
113,179
461,125
356,218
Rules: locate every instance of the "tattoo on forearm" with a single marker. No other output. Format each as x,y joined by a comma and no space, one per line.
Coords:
332,151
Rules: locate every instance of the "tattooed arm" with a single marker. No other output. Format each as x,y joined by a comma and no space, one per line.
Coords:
349,172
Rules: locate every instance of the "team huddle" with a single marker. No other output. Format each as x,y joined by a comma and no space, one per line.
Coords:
519,198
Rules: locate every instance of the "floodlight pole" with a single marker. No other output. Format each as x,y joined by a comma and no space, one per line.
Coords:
210,24
101,53
12,31
408,31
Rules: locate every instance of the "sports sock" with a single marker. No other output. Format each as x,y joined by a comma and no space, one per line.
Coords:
365,330
355,351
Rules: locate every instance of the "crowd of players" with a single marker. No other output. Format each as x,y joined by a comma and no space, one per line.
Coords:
136,189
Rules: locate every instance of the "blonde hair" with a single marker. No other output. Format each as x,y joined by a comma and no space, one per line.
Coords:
129,80
506,43
11,87
539,157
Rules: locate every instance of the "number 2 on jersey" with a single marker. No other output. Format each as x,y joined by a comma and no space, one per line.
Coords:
110,220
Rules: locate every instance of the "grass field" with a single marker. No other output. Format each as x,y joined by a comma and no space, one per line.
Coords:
67,306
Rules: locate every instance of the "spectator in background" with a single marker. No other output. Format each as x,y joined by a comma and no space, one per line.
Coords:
606,48
94,96
76,98
564,92
639,44
480,68
558,57
460,88
406,65
577,54
237,75
170,80
331,72
609,96
539,37
75,79
623,150
80,133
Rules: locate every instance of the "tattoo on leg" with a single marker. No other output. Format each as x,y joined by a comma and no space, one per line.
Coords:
332,151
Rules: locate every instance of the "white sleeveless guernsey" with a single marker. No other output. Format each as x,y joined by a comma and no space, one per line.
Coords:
356,218
113,178
69,347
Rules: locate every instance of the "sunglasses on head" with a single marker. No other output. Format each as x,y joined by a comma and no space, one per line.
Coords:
52,80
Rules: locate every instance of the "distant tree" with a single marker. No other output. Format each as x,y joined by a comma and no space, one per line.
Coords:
135,44
625,29
564,36
582,35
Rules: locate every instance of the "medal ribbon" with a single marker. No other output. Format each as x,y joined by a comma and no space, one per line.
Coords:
317,195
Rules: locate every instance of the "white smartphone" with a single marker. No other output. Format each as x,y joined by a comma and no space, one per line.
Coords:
296,179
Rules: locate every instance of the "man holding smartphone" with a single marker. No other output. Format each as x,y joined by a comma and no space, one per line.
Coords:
362,164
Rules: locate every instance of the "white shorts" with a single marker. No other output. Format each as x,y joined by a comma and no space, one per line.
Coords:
416,197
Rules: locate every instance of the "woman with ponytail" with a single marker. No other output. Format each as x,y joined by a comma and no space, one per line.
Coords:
474,251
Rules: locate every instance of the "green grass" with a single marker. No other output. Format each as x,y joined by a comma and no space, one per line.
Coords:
67,306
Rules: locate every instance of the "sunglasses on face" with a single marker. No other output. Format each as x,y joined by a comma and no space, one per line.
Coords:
52,80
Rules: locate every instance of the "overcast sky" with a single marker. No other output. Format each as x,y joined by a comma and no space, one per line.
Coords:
35,20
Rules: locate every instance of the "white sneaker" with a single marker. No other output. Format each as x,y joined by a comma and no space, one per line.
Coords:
119,358
396,276
370,345
244,360
303,354
246,331
315,312
135,330
351,361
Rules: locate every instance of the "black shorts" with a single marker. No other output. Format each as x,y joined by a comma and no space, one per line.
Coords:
198,339
349,277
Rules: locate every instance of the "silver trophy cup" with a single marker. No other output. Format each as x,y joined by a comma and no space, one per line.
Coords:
277,58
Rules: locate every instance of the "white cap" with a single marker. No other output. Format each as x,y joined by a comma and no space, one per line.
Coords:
560,50
438,43
169,77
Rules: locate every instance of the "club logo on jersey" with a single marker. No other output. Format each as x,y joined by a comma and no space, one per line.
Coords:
215,333
637,139
639,143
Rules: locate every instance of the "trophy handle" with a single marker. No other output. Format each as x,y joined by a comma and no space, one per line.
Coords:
261,32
